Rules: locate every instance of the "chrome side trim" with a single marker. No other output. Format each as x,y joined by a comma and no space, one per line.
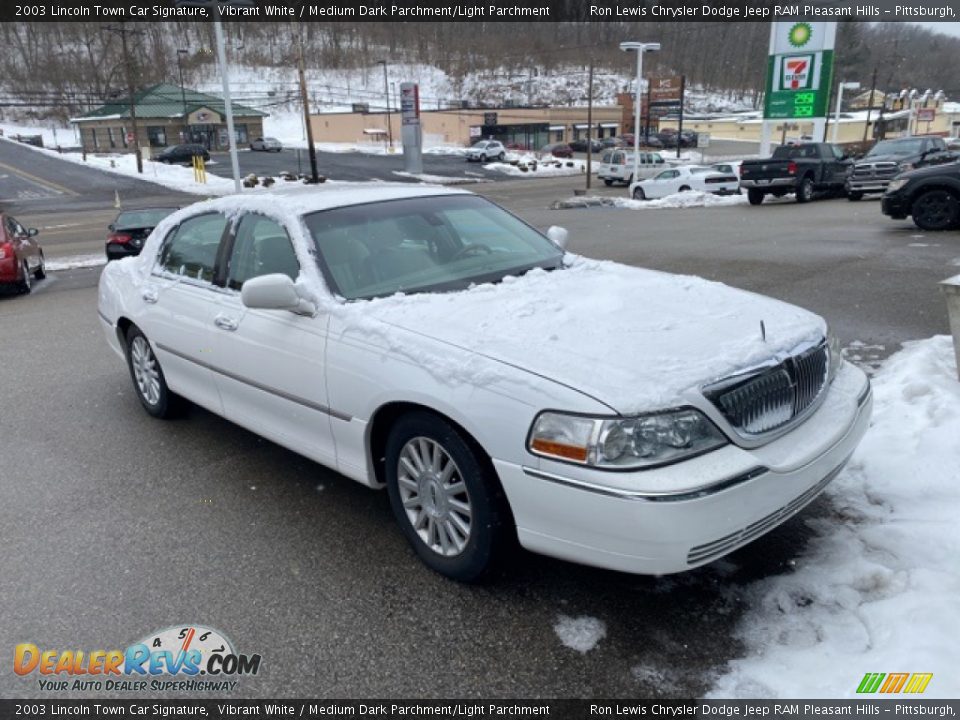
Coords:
693,494
259,386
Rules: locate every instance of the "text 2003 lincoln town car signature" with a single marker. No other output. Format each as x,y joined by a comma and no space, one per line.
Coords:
428,341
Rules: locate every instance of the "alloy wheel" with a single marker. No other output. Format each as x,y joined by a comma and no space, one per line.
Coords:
434,496
145,370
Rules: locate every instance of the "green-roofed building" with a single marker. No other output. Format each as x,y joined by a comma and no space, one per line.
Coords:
167,115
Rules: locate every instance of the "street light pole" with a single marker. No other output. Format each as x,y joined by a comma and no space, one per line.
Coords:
836,116
227,105
640,48
386,95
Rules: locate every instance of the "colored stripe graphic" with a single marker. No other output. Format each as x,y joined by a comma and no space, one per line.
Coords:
870,682
918,682
894,682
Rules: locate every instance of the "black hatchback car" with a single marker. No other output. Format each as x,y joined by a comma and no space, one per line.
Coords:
131,229
182,154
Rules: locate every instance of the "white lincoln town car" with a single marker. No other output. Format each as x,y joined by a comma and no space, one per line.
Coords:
426,341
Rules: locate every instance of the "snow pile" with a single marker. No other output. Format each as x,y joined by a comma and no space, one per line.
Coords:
74,262
439,179
527,166
878,590
581,633
688,199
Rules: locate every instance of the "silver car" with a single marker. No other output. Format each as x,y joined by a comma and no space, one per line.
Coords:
487,150
268,144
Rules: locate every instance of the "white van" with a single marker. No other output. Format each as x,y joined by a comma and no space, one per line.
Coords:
616,165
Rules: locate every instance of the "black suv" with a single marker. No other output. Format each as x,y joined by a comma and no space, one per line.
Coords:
182,153
930,194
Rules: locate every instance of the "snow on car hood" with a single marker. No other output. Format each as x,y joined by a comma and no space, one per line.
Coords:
633,339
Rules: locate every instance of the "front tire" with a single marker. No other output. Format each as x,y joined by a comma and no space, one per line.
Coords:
805,190
41,272
854,196
148,380
26,283
754,196
445,497
639,194
936,210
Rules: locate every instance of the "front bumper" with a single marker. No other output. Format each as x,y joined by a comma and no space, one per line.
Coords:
867,185
895,205
733,495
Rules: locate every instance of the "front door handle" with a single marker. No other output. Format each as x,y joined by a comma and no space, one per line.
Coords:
150,295
225,322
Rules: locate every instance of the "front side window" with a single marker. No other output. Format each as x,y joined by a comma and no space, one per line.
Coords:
191,249
262,247
423,245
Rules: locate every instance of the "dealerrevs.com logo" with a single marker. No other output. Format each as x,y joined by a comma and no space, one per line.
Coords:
181,658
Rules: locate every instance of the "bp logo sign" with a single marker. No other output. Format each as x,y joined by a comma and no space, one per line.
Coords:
800,34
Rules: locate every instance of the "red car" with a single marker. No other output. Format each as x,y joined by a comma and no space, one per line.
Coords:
560,150
21,259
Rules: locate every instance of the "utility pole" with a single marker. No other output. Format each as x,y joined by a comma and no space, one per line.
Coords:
304,98
873,89
122,31
183,92
589,123
227,105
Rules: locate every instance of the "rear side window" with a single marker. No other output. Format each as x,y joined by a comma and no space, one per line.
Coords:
607,158
191,249
262,247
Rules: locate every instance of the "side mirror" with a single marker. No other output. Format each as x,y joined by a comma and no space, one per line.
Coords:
111,227
275,292
32,232
558,236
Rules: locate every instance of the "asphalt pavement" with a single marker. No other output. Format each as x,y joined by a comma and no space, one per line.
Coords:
115,525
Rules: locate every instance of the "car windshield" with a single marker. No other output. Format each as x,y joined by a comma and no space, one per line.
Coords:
426,244
147,218
896,147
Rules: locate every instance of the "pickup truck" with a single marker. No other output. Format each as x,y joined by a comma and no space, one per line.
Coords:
803,169
874,171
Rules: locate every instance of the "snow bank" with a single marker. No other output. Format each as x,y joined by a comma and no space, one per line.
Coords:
690,199
440,179
65,137
540,168
74,262
878,590
580,633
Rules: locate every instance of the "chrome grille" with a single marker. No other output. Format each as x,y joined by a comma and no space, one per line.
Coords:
767,399
880,170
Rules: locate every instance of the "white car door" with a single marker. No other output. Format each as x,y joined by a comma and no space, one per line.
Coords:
270,363
663,184
177,302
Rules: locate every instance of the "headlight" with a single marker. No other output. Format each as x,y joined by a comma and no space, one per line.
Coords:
624,443
896,184
835,354
904,166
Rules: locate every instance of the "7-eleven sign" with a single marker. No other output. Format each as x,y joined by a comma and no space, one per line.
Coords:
797,72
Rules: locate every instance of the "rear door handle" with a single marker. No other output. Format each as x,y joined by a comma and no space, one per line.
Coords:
150,295
225,322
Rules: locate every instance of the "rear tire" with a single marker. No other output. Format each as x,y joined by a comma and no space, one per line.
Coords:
936,210
41,272
149,383
685,188
501,157
639,194
446,498
805,190
608,183
754,196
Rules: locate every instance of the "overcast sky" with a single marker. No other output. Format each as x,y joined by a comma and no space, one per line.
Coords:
947,28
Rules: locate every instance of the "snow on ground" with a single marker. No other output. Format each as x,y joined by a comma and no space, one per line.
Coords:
440,179
51,138
539,168
690,199
580,633
878,590
72,262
